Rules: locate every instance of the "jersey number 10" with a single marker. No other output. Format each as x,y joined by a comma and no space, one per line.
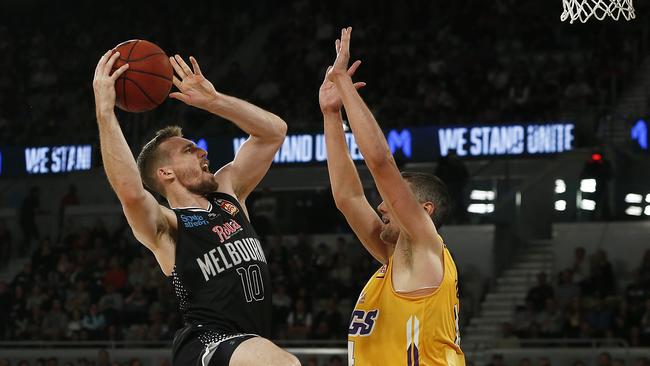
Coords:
252,281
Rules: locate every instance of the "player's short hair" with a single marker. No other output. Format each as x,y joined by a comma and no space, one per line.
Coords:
429,188
151,156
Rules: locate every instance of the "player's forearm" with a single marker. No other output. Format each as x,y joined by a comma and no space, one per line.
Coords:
342,172
251,119
119,164
367,133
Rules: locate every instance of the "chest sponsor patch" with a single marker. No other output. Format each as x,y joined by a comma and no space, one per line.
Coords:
227,230
193,220
228,206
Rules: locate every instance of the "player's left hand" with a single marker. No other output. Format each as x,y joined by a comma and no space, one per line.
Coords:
195,89
340,66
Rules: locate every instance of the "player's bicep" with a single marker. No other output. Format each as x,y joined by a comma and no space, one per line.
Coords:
366,224
251,164
147,219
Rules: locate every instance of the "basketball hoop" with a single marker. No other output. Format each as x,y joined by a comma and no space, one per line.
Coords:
600,9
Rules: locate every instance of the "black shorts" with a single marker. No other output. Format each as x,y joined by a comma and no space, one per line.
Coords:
194,347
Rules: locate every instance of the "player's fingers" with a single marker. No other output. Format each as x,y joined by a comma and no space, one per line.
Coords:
177,82
177,68
109,64
337,45
354,67
179,96
359,85
119,72
101,62
327,72
195,66
183,65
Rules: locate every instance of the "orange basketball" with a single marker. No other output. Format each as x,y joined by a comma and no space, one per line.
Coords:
147,81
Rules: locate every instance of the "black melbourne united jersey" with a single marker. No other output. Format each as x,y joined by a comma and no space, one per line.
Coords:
220,275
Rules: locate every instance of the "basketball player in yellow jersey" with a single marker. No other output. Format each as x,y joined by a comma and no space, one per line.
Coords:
407,314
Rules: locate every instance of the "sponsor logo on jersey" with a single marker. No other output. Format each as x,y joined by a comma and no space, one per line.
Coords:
228,206
382,271
193,220
227,230
362,322
212,216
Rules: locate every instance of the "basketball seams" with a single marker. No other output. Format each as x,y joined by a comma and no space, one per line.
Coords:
150,74
141,58
126,104
142,91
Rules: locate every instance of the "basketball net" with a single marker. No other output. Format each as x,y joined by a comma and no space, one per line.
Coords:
584,9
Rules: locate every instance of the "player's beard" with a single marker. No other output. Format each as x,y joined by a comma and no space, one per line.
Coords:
198,181
389,234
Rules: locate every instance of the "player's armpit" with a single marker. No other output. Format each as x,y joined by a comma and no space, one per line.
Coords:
148,219
366,224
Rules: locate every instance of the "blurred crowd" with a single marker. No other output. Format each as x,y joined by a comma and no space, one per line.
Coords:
426,63
100,284
587,300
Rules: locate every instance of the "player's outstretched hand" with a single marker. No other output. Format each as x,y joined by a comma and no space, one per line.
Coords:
104,82
340,66
194,88
328,96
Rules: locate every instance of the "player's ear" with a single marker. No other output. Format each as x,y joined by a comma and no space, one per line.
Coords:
429,208
165,173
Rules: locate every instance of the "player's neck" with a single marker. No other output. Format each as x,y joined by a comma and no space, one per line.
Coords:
187,199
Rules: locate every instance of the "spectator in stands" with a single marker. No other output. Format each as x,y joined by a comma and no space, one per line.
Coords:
566,289
103,358
332,318
525,362
540,293
497,360
642,361
69,199
335,361
579,267
27,218
579,363
94,322
5,309
644,271
299,321
4,362
544,361
604,359
645,324
508,338
636,293
453,172
601,282
74,325
551,320
55,322
618,362
5,244
115,276
265,211
599,318
574,319
24,277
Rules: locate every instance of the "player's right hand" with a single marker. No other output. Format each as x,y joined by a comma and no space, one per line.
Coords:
328,96
104,82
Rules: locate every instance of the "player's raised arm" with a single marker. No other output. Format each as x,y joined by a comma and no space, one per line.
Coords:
346,185
266,130
414,221
147,218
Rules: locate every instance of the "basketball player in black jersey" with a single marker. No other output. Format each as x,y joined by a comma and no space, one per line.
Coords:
204,242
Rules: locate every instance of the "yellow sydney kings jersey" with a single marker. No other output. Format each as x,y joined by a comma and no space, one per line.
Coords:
394,329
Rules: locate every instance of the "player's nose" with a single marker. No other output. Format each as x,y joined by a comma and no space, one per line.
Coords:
202,153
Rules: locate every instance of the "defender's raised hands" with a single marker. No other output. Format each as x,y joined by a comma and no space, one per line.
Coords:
195,89
328,97
340,66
